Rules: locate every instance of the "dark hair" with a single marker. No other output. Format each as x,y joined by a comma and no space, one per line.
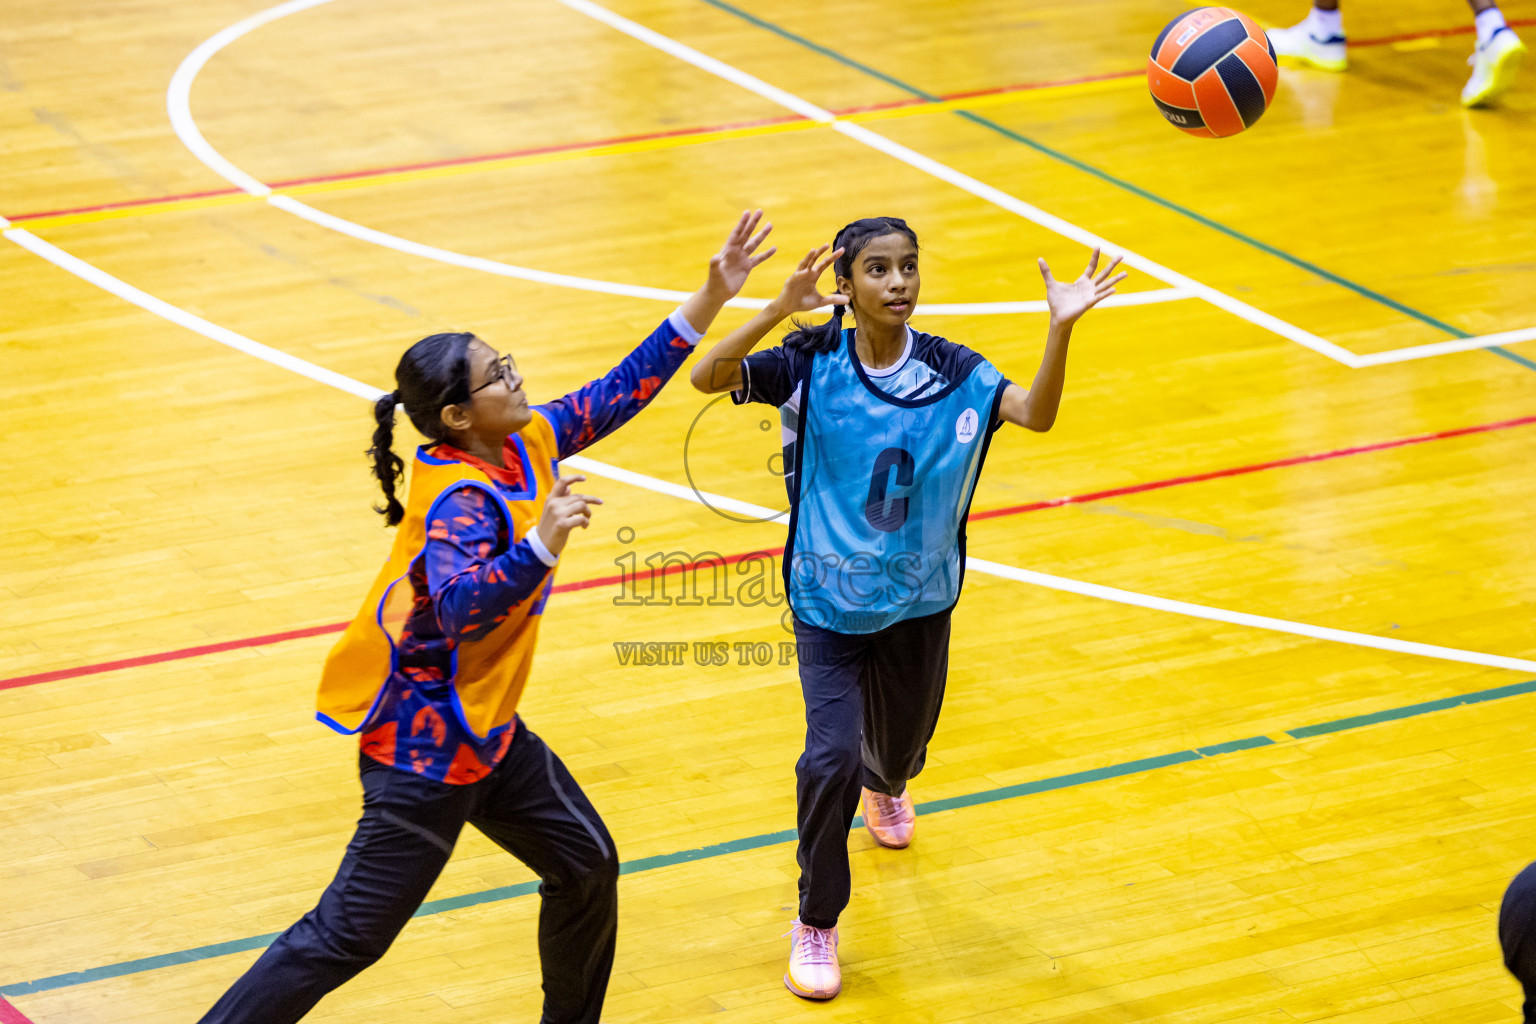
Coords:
432,374
853,239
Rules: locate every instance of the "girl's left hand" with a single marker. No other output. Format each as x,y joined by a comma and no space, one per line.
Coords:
729,268
1070,301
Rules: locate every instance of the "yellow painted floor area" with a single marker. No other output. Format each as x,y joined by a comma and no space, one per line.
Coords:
165,492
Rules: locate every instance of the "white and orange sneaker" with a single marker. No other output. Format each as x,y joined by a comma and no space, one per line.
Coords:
890,819
813,970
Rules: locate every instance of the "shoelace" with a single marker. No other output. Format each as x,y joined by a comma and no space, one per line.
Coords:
813,945
1480,47
893,811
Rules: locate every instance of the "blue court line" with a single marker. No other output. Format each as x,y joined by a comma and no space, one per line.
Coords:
1118,182
988,796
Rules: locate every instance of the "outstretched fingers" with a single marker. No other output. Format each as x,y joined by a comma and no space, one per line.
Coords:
830,259
746,225
1103,289
739,230
1093,263
1104,274
758,261
1045,270
757,239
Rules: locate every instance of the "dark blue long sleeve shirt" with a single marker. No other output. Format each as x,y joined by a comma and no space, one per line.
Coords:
469,575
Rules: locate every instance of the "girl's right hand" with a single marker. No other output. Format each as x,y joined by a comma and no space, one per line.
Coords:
738,257
563,512
800,294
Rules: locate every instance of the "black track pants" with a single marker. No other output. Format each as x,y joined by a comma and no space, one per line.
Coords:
529,806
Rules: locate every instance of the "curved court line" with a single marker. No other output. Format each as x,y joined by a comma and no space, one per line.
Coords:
176,315
239,342
1033,787
382,238
224,336
178,104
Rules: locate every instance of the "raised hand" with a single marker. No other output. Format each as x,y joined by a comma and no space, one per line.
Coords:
729,268
563,512
800,294
1070,301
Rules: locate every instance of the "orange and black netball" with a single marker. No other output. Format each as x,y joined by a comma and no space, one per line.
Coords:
1212,72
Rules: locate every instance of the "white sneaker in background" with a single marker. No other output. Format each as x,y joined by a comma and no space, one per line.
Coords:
1494,66
1300,44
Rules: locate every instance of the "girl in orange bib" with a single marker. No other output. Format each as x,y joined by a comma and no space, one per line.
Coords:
431,669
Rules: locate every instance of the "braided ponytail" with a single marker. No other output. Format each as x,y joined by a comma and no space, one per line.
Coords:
432,374
387,466
853,239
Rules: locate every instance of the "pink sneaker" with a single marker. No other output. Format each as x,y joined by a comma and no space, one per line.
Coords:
813,970
890,819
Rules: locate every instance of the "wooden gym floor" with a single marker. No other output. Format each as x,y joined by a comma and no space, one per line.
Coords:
1145,803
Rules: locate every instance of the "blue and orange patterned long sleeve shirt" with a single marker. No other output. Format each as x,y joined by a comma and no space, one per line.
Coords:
469,575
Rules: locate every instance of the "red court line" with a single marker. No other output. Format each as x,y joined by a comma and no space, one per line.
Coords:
176,655
566,147
997,90
1460,30
184,653
1297,460
10,1015
127,204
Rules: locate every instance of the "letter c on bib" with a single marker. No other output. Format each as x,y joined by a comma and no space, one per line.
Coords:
884,513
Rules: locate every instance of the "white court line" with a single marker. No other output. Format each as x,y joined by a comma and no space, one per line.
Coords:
1011,203
224,336
1440,348
382,238
176,315
962,181
178,103
178,106
1202,611
240,343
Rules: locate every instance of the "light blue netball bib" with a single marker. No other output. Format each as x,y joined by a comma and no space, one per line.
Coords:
878,532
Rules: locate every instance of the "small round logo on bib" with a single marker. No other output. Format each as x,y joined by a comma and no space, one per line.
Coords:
965,427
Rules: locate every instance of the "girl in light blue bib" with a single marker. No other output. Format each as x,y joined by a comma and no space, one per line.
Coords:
885,432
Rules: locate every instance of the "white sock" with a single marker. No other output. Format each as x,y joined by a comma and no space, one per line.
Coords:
1325,24
1488,22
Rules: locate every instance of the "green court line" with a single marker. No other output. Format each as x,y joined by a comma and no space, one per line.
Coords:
1412,710
989,796
1500,350
1111,179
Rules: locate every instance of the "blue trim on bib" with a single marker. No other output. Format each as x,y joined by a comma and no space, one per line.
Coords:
905,403
426,456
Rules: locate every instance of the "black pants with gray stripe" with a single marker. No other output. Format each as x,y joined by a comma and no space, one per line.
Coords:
529,806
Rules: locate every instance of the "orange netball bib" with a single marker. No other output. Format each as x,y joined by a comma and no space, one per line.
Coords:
489,673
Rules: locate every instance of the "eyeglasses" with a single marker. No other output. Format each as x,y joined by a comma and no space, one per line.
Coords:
506,370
